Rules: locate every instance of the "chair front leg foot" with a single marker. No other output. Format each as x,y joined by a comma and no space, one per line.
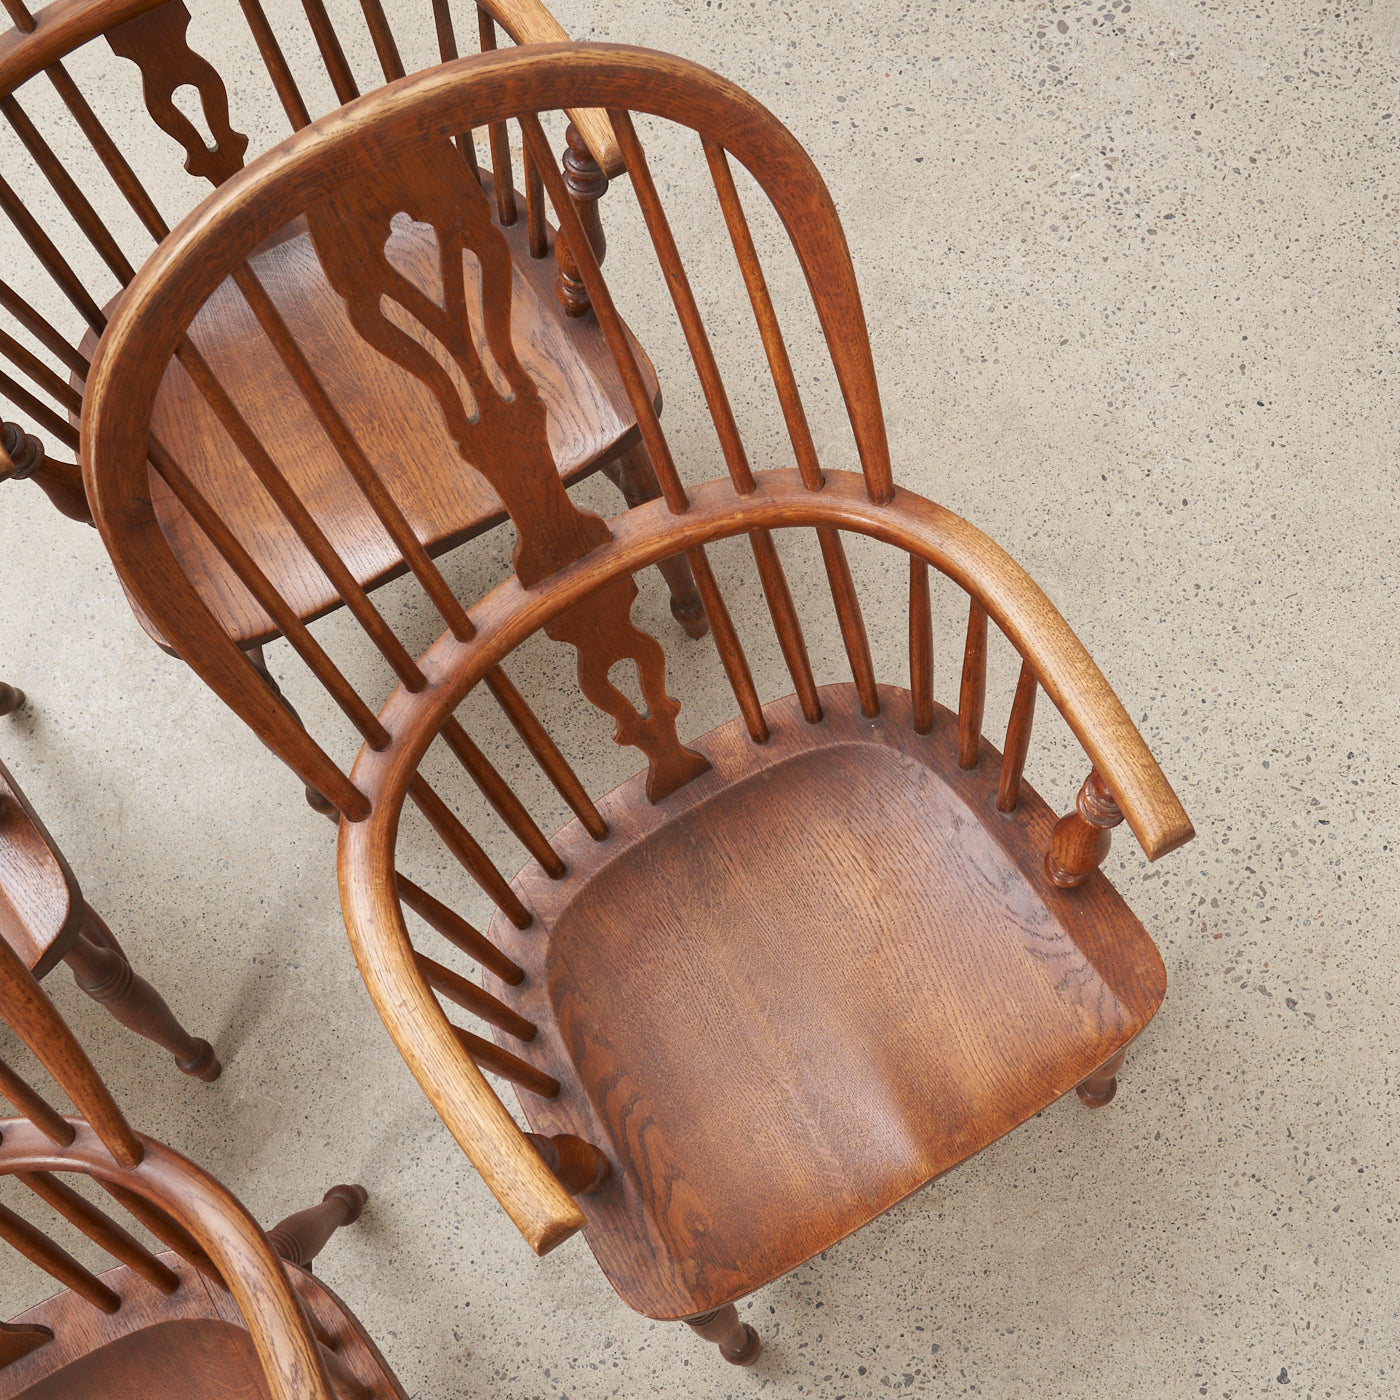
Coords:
738,1343
1102,1085
101,970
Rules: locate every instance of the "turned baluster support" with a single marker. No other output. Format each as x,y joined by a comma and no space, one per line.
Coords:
11,698
22,459
101,970
579,1166
301,1237
738,1343
586,184
1080,841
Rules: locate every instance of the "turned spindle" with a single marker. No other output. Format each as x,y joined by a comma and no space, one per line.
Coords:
586,184
738,1343
1080,840
579,1166
301,1237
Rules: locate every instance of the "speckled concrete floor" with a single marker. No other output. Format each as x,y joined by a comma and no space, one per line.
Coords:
1131,274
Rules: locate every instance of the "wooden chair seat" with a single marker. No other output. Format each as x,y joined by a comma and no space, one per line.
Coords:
803,986
390,411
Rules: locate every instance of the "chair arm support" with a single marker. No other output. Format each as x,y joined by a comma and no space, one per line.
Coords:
528,22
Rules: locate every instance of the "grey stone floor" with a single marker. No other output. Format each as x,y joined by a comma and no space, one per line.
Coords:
1130,271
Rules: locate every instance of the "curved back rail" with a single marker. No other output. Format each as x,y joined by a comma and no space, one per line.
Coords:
43,364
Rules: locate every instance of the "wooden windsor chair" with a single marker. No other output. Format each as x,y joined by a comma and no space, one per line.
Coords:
45,920
800,966
223,1310
592,426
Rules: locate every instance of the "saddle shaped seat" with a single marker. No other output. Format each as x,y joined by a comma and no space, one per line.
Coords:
803,986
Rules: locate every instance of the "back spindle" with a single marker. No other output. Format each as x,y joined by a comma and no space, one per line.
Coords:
1018,740
920,645
101,1229
48,1120
785,623
1080,841
850,618
39,1249
498,134
458,932
972,694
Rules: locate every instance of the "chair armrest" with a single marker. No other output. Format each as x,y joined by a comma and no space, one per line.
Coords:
533,1198
528,22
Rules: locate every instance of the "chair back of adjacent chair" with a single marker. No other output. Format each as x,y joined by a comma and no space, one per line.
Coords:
43,364
165,1194
349,177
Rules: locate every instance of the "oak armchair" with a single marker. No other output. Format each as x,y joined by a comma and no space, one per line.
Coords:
797,967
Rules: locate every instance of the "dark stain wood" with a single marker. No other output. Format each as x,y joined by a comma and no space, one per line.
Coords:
1081,840
738,1343
854,975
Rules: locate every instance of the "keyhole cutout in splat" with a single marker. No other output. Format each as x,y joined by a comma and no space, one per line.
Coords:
625,677
190,105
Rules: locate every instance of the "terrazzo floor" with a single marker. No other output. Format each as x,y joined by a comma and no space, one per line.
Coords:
1132,279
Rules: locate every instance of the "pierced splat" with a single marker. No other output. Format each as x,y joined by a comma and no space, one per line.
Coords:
157,43
501,433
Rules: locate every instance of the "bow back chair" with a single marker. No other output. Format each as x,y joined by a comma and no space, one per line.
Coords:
47,337
794,969
45,919
223,1309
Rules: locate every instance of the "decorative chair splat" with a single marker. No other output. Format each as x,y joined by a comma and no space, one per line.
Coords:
501,436
158,44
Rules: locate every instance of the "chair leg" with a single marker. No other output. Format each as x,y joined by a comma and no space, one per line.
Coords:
101,970
738,1343
633,475
1102,1085
318,802
301,1237
10,699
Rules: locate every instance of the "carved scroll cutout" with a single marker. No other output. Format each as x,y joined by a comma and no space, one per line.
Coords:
501,436
157,44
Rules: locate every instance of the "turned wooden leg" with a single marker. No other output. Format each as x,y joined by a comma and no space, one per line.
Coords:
318,802
100,969
1101,1086
10,699
301,1237
738,1343
633,475
586,184
1080,841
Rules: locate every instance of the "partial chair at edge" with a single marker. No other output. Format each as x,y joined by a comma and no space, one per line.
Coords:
800,966
225,1309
